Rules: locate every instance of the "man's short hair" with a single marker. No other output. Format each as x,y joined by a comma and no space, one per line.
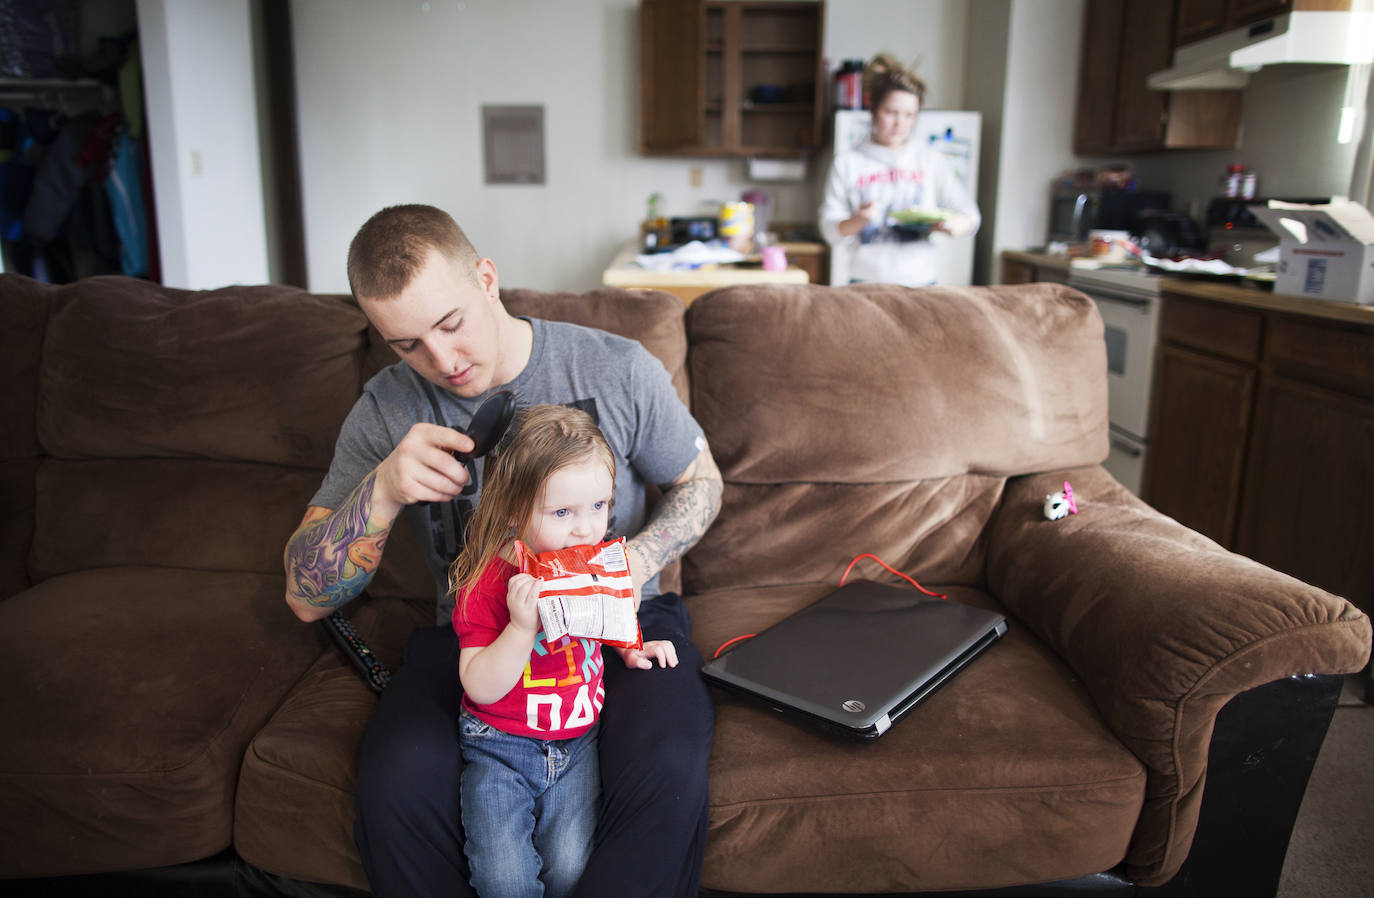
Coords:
393,245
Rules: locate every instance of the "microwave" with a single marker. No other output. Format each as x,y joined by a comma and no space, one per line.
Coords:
1074,210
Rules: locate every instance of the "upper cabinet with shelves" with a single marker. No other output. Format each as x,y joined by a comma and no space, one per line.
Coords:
1124,41
723,78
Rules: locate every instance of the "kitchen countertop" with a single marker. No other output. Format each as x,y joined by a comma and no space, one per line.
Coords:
623,272
1039,260
1258,296
1264,299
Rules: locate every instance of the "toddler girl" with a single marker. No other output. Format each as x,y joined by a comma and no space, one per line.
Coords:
530,783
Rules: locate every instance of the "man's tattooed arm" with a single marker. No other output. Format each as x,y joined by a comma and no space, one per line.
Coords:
689,504
333,554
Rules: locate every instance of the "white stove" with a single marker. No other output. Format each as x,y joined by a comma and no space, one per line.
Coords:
1128,299
1138,280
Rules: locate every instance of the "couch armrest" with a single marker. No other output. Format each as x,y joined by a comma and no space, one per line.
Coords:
1164,627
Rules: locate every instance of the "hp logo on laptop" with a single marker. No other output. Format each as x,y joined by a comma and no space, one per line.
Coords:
854,706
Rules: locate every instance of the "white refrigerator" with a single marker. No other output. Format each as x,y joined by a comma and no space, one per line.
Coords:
955,134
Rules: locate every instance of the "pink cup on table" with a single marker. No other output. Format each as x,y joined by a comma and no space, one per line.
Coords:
774,259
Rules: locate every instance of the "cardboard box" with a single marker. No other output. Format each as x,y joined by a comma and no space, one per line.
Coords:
1325,252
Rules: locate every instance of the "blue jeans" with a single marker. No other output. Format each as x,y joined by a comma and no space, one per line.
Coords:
529,809
654,739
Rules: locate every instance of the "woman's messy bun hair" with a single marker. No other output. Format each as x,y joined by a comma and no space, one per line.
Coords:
884,74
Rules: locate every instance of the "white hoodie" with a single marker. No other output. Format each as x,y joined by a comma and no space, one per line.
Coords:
911,175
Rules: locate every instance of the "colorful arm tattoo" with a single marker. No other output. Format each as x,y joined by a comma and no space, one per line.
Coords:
681,517
331,558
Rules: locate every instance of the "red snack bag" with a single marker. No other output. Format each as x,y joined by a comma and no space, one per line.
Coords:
586,592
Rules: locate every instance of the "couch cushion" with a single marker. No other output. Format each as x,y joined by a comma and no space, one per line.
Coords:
24,307
1004,776
652,317
132,695
262,374
879,383
17,478
930,530
295,804
882,419
166,512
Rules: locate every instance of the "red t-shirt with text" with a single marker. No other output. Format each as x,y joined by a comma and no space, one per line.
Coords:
560,693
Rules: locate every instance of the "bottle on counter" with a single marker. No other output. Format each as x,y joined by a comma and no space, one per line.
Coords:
1232,181
737,225
849,90
656,232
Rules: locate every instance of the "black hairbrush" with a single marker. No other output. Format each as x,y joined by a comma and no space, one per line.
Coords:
488,425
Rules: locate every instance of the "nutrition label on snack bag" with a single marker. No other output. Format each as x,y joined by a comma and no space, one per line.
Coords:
590,597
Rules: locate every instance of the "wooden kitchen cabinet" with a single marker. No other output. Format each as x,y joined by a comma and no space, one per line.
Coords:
1031,268
1201,19
1197,454
1262,430
1308,497
730,77
1097,78
1198,19
1124,42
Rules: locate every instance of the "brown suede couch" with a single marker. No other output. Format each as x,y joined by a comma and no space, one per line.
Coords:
164,713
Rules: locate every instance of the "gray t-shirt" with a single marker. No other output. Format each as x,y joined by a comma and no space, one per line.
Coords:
617,381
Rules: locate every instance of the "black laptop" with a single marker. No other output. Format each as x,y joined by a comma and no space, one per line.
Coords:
860,658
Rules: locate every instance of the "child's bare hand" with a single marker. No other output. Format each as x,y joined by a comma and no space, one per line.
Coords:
661,650
522,598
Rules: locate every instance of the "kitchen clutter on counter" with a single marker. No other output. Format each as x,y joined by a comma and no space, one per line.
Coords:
739,234
691,255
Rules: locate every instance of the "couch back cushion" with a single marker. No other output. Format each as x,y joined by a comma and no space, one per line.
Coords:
653,318
23,319
257,374
185,428
883,419
190,428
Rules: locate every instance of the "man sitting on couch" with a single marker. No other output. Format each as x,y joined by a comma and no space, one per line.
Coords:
437,303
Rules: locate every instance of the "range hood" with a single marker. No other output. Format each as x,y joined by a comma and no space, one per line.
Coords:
1225,62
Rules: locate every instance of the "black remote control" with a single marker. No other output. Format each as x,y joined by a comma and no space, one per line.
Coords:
347,638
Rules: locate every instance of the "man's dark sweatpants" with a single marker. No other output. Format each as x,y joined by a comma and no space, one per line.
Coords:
655,741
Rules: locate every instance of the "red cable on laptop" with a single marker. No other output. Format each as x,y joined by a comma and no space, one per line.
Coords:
843,577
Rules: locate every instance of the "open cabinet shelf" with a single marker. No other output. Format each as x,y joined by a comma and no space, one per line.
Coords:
707,65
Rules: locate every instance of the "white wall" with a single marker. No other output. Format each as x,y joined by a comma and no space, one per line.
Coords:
985,91
929,33
203,127
389,104
1022,57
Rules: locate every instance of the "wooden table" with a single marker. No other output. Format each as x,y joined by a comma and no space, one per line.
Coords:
688,284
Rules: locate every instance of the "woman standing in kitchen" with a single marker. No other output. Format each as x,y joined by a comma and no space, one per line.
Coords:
885,198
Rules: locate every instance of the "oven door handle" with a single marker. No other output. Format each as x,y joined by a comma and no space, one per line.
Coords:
1139,303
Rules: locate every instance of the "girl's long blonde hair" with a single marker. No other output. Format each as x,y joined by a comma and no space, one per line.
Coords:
544,439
